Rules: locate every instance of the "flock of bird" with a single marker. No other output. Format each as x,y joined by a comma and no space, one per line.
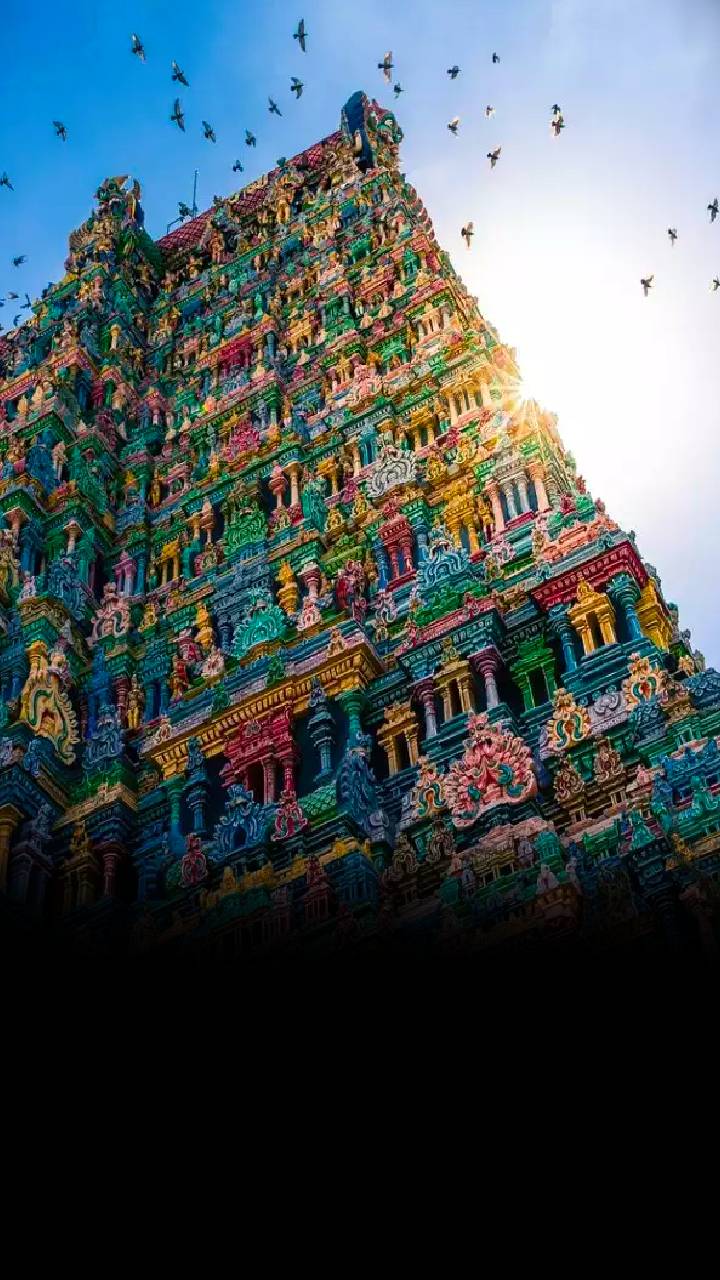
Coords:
387,66
557,124
647,281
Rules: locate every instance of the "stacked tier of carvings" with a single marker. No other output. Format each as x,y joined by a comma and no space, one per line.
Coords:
272,477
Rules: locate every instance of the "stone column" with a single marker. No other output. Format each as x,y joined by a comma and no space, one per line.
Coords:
10,819
293,470
352,702
174,789
624,590
111,853
487,662
523,491
425,691
269,780
510,499
494,496
536,475
560,625
141,573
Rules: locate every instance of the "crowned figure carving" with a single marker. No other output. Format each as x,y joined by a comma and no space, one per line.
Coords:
392,468
112,617
496,768
44,702
444,560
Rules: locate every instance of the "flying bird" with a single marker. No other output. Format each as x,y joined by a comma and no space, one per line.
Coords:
715,284
18,261
489,111
273,108
301,34
386,65
453,72
5,182
647,284
13,295
178,115
208,132
184,209
453,125
397,90
137,47
496,57
467,233
250,139
672,232
27,303
494,156
16,321
60,129
237,167
296,86
713,209
179,75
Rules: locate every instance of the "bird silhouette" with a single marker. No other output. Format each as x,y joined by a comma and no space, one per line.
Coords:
557,123
250,139
12,295
397,90
453,125
467,232
179,75
489,111
301,34
5,182
237,167
137,47
715,284
273,108
184,209
178,115
386,66
60,130
18,261
713,209
494,156
647,284
296,86
16,321
672,233
27,303
208,132
453,72
496,57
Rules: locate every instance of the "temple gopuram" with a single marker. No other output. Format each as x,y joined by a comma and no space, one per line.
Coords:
311,635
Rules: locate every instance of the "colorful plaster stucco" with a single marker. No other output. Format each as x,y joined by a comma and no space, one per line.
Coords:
310,633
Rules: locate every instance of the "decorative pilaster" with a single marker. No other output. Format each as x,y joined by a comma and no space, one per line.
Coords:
488,663
624,591
10,819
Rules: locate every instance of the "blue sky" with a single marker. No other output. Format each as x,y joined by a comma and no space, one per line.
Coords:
564,229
